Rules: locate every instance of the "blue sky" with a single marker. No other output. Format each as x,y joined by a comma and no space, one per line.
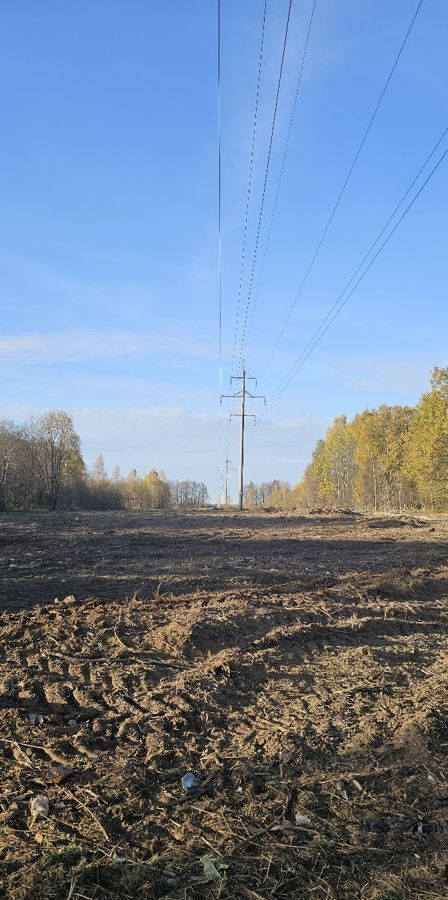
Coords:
108,184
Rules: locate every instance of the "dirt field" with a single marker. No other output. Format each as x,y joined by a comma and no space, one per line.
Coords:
296,665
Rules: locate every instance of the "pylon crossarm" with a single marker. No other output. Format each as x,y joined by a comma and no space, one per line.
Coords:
256,397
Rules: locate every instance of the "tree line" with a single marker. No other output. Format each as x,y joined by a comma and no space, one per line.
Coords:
268,493
390,458
150,491
41,467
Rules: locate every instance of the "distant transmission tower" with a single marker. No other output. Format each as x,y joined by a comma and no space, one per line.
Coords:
227,477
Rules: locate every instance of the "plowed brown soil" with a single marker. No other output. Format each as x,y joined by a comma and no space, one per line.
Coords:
297,665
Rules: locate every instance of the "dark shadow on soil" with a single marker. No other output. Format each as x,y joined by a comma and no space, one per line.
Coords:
114,555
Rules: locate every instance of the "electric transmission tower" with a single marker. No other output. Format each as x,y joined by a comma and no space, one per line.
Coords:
243,415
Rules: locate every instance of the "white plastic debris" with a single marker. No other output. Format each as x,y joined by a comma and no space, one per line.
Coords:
302,821
39,807
189,781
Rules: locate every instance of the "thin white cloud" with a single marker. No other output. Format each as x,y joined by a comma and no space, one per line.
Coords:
299,423
51,348
126,298
379,374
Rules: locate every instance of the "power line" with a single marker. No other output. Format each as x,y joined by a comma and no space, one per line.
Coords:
219,193
343,188
219,248
249,185
247,207
280,178
260,217
340,303
268,162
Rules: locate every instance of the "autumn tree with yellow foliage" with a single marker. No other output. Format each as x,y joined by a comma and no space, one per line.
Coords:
390,458
427,447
